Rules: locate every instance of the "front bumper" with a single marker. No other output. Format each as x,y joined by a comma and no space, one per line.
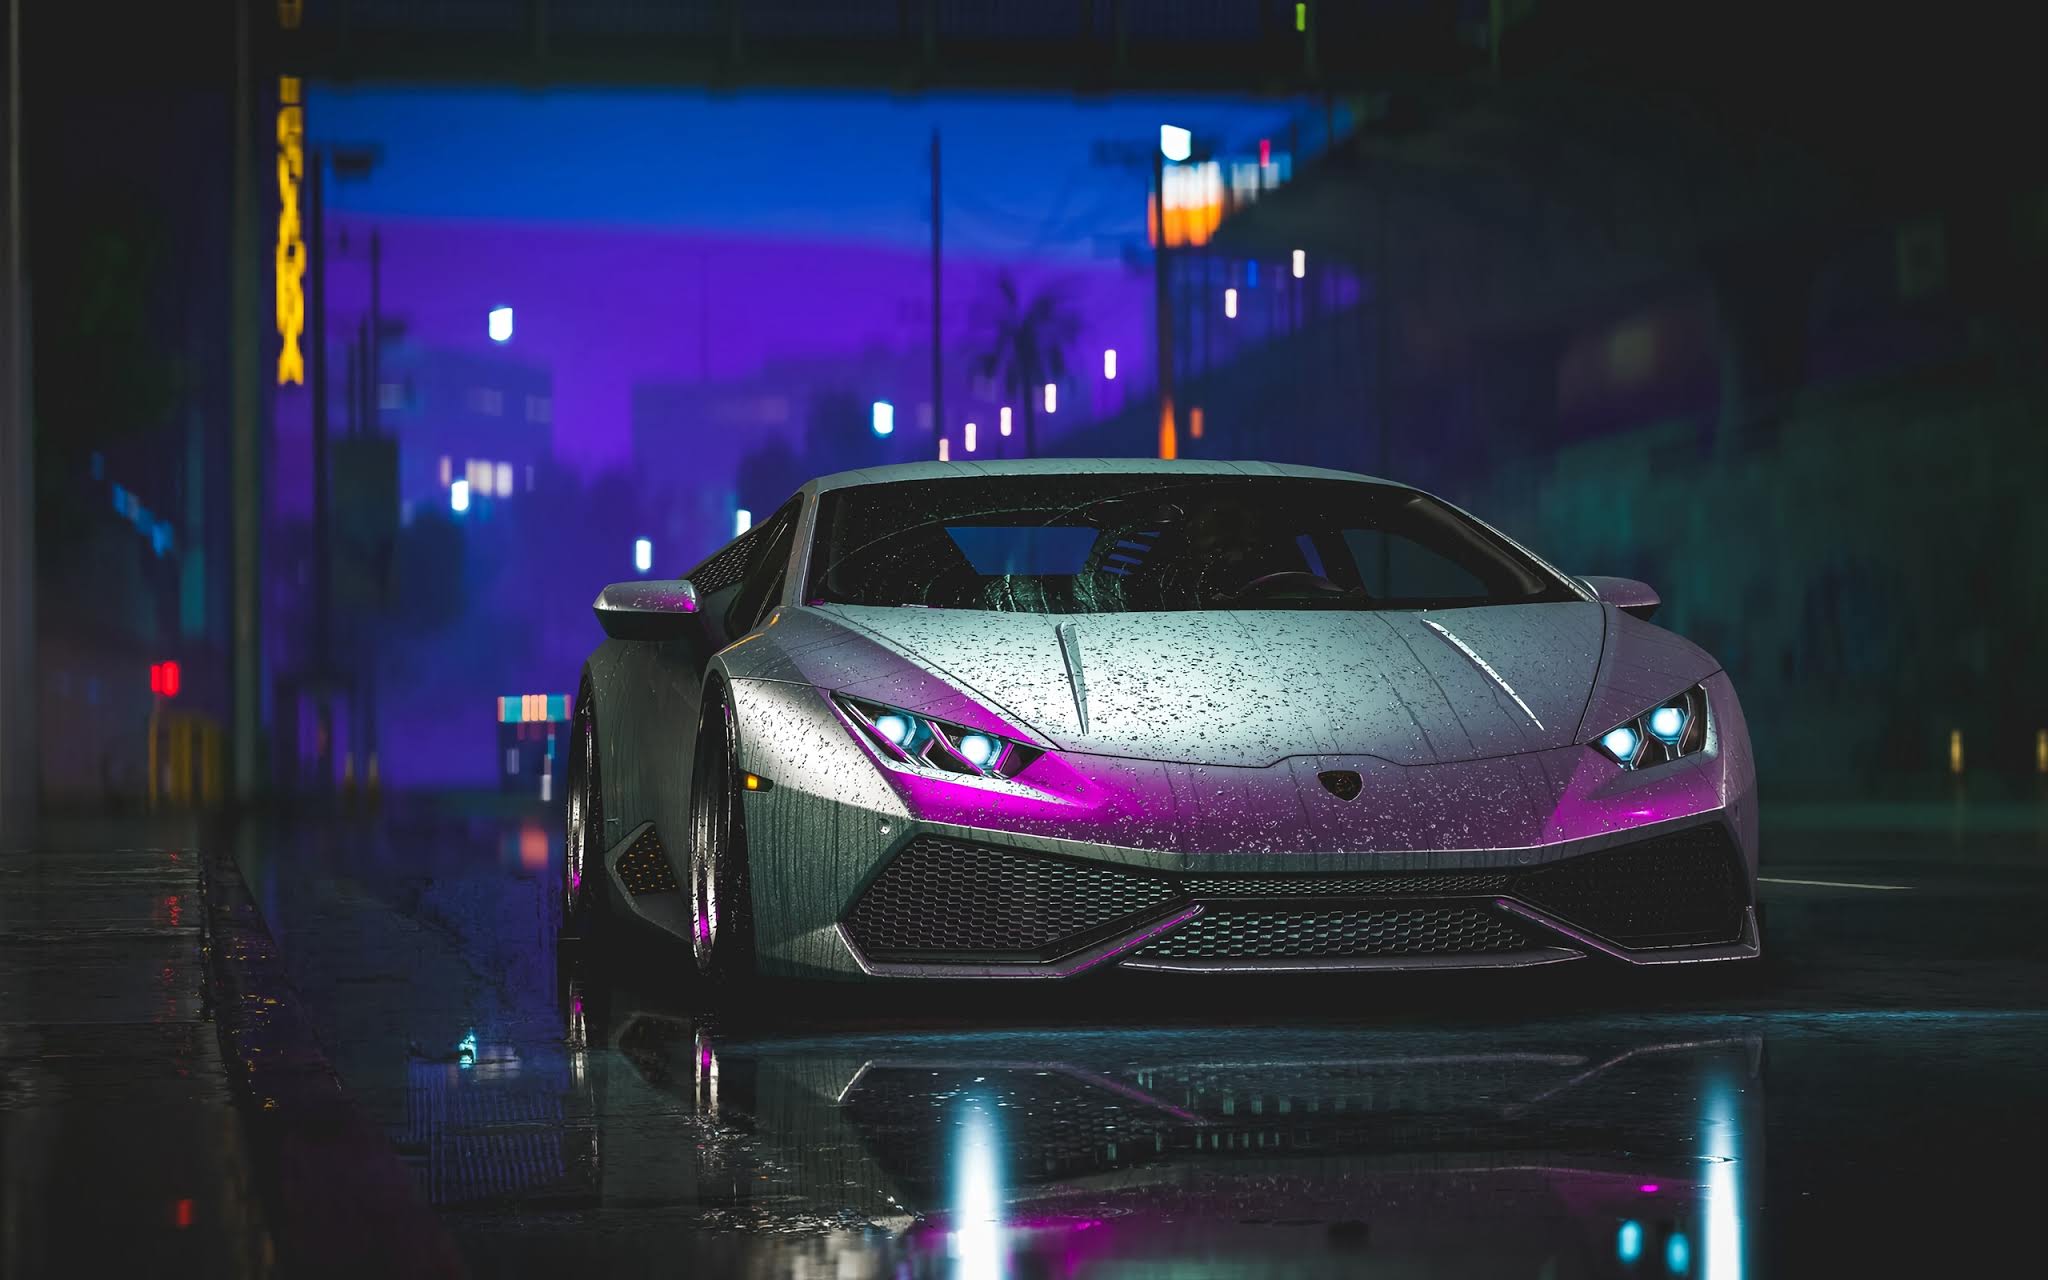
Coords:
955,908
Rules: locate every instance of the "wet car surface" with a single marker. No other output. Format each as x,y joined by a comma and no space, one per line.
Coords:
562,1112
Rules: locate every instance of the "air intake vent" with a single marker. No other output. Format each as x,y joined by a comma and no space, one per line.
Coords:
1308,934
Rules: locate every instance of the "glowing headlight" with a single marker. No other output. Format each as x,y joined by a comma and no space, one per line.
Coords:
898,728
979,749
1673,728
937,745
1667,723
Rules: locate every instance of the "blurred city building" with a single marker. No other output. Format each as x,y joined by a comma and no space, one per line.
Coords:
487,419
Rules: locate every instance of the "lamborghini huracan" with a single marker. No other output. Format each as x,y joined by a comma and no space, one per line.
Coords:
1037,719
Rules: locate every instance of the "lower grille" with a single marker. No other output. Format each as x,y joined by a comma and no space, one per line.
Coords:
1310,934
940,899
954,900
1684,889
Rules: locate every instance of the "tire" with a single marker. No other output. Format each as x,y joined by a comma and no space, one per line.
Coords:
720,890
583,844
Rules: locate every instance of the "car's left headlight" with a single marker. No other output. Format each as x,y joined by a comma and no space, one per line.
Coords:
939,745
1674,727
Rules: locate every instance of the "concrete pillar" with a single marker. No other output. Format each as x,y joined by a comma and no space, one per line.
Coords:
245,280
19,781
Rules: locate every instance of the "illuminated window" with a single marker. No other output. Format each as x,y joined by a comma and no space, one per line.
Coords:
1003,420
1109,364
447,470
539,409
504,479
1230,303
488,401
1052,397
945,453
969,441
1195,422
1300,263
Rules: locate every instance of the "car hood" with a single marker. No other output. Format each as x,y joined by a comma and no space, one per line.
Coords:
1248,688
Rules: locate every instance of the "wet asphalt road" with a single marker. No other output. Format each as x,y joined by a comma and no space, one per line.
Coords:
1872,1103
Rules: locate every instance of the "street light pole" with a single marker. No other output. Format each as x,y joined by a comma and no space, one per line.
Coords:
1169,444
938,356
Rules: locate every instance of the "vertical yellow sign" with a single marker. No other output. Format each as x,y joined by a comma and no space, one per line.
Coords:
291,244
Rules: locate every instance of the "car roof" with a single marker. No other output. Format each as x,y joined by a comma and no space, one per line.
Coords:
902,471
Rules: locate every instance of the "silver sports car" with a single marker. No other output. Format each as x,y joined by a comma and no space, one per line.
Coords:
1037,719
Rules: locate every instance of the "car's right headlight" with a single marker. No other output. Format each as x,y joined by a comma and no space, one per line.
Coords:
938,745
1674,727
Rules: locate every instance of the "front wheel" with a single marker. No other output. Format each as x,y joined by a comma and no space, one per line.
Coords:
582,895
721,897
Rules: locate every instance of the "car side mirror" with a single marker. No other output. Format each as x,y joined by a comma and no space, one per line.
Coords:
1625,594
660,609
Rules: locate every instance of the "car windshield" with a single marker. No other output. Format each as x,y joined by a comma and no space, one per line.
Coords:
1107,543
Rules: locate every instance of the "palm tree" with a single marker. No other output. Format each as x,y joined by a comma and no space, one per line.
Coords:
1024,344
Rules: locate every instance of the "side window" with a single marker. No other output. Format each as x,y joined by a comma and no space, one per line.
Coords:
763,581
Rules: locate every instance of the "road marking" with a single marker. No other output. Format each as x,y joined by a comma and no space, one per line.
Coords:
1834,884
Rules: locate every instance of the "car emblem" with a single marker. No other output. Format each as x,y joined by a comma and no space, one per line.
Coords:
1345,784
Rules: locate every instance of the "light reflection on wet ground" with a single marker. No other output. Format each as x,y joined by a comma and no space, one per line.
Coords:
563,1118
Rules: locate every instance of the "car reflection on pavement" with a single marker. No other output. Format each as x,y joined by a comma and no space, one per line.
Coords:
1042,1153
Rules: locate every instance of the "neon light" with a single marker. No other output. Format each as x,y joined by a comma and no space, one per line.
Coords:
458,496
1628,1242
1301,17
884,418
977,1236
1052,397
1109,364
1265,152
1300,263
1175,143
1003,426
969,435
1648,1188
501,324
643,554
1230,304
1678,1254
290,255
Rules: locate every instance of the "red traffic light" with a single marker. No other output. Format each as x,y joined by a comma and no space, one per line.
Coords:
164,679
